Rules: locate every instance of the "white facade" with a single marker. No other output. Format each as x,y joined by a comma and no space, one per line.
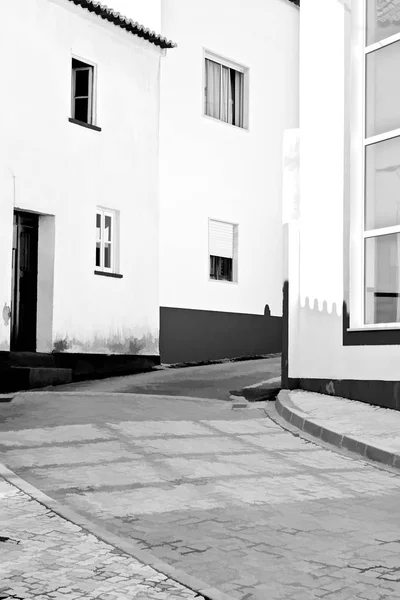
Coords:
213,170
62,171
326,256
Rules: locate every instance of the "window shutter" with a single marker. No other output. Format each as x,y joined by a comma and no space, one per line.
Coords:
221,239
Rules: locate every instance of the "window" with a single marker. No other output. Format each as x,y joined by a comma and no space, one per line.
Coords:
82,91
224,91
107,240
223,246
381,229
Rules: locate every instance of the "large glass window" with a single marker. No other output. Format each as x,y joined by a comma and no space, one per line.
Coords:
382,163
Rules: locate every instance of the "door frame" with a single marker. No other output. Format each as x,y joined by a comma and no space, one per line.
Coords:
15,338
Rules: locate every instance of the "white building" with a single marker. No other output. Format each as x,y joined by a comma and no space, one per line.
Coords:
79,127
82,169
228,91
344,259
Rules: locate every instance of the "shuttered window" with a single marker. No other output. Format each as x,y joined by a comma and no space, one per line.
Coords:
221,239
223,250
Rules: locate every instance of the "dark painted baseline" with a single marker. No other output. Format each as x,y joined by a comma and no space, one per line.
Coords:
188,335
376,392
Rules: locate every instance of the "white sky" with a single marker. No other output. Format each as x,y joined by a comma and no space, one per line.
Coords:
146,12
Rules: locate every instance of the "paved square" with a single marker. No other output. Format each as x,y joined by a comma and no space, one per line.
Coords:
226,496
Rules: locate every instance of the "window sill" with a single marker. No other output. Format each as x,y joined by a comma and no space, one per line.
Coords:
83,124
209,118
222,281
370,335
106,274
380,327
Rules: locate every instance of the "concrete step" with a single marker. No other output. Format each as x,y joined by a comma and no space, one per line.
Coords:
26,378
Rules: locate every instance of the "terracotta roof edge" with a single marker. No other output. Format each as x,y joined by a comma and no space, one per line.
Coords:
111,15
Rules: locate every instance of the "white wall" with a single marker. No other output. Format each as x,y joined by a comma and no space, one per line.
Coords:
213,170
66,170
316,302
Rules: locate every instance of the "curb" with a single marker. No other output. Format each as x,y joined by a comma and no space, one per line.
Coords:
127,546
264,390
290,413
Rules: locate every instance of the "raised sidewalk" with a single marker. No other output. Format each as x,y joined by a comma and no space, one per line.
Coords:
371,431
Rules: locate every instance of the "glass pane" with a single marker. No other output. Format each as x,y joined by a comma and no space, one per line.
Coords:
213,88
81,109
383,19
382,184
226,96
98,263
382,281
82,82
213,267
107,228
221,268
237,97
107,256
383,90
226,269
98,227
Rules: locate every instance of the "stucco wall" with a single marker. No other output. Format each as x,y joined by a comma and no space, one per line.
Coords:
316,339
210,169
66,170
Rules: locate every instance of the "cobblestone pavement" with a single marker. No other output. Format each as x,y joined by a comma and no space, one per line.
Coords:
45,557
226,496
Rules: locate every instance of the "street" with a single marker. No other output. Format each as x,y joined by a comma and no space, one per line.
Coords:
211,381
227,496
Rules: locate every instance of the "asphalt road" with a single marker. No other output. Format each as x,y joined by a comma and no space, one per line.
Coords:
212,381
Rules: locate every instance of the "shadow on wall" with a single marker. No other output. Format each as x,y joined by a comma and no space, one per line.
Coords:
114,344
188,335
334,323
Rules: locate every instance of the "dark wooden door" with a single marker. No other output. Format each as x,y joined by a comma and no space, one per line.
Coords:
25,280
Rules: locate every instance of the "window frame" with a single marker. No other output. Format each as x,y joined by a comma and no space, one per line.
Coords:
230,64
235,257
115,240
354,327
92,91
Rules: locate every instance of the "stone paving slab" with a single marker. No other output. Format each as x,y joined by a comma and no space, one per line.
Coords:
226,497
45,557
215,495
371,431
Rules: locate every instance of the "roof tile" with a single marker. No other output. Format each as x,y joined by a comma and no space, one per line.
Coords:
111,15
